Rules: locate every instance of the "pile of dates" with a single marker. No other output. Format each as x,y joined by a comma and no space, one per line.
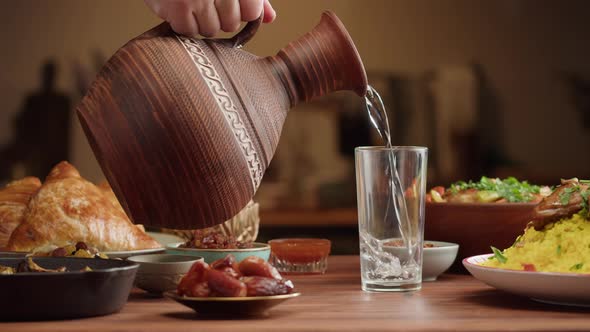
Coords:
225,277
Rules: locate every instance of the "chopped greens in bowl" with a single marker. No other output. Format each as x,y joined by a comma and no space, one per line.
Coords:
489,190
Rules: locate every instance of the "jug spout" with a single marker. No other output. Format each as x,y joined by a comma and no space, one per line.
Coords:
322,61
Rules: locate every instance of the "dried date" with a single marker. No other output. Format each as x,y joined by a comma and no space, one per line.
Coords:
226,278
185,285
224,285
81,246
228,265
59,252
196,275
230,272
200,289
263,286
256,266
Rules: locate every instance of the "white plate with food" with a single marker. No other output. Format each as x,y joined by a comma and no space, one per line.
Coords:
550,260
75,251
109,254
549,287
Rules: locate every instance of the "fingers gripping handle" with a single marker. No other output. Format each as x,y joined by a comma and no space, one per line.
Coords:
244,36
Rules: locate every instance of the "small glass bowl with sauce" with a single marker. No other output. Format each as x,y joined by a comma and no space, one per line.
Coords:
300,255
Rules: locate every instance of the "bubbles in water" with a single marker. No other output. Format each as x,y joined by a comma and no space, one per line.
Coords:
380,264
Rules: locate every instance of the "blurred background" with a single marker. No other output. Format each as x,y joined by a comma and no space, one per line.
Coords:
493,88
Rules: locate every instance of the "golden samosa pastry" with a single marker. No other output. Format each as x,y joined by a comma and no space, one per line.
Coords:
108,191
13,202
67,209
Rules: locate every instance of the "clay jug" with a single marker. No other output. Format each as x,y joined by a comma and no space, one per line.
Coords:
184,128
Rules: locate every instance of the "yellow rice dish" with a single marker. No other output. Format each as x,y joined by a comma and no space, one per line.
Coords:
562,246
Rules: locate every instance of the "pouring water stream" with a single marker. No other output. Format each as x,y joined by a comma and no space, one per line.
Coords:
378,117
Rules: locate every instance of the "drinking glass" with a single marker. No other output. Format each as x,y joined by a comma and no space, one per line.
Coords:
391,216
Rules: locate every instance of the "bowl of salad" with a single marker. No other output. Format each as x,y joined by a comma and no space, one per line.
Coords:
477,214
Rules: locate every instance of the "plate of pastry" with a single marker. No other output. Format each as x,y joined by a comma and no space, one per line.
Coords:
65,210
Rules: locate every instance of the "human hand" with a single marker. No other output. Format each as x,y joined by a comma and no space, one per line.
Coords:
208,17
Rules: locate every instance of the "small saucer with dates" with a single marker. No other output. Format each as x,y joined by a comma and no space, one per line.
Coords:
227,287
231,306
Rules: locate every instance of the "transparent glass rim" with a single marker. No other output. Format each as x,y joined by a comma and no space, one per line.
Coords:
412,148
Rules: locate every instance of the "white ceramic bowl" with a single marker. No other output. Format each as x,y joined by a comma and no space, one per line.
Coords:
161,272
435,260
438,259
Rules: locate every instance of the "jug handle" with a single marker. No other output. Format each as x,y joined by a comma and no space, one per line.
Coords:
244,36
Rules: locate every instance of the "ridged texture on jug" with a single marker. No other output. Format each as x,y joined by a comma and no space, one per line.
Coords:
322,61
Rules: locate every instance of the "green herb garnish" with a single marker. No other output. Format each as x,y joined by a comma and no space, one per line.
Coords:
518,238
498,255
576,266
564,197
510,188
558,251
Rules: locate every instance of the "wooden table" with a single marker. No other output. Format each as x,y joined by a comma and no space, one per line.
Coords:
334,302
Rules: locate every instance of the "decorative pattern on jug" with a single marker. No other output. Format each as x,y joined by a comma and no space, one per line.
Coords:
227,107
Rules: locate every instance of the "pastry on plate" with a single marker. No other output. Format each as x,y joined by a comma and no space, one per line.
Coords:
67,209
108,191
13,202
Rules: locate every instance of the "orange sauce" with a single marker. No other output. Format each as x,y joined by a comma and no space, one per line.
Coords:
299,250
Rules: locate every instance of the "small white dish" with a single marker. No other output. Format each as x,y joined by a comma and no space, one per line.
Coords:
435,260
548,287
161,272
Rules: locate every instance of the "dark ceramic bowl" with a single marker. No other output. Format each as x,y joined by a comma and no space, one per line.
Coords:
476,226
62,295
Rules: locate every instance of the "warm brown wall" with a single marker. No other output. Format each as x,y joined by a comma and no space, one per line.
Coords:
522,43
32,30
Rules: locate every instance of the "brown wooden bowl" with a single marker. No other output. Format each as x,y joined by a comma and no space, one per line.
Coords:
476,226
